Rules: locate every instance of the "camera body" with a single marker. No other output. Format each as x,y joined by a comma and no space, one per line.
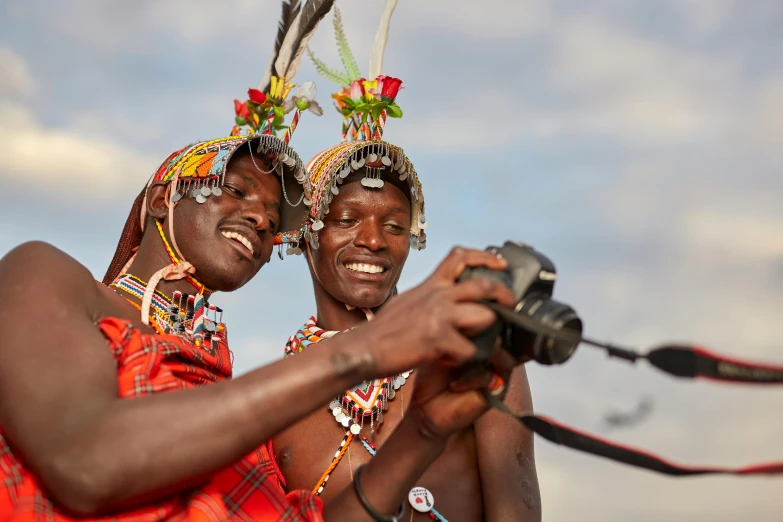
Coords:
531,277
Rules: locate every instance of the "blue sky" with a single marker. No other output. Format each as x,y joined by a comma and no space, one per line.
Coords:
635,143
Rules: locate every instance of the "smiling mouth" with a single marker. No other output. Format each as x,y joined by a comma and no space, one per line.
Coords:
239,238
365,268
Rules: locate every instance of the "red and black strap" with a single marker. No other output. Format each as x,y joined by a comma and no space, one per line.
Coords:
682,361
570,437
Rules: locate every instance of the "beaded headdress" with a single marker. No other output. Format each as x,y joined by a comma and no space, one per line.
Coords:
198,170
365,106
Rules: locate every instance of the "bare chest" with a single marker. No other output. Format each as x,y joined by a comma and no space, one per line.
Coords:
319,447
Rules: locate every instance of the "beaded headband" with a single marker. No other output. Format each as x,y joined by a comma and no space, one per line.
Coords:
365,105
200,169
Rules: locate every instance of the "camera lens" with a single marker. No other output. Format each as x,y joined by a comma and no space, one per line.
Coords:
547,349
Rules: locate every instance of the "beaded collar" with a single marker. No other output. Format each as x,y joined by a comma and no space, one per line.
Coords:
361,404
188,316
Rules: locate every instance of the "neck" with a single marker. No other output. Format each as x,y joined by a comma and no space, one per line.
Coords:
150,258
333,315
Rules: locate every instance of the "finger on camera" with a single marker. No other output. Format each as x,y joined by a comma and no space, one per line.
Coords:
472,318
460,258
475,378
502,362
483,289
453,349
465,407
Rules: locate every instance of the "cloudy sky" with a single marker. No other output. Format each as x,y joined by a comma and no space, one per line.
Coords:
636,143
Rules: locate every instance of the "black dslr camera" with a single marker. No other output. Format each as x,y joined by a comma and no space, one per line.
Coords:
539,328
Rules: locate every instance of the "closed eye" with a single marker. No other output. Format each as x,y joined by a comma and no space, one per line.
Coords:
397,229
233,191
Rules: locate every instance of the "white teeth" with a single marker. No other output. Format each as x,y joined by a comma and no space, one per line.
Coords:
366,268
239,237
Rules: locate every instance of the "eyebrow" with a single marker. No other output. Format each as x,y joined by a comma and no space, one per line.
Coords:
247,179
397,209
357,201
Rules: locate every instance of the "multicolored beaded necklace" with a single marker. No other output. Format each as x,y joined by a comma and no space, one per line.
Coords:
362,404
189,316
351,409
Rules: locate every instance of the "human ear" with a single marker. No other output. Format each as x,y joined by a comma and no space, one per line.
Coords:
156,201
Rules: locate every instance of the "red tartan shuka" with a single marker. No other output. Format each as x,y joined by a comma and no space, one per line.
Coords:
146,364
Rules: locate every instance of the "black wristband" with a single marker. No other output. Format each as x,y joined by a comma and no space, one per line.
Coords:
366,505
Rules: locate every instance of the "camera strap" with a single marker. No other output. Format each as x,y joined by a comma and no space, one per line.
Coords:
572,438
682,361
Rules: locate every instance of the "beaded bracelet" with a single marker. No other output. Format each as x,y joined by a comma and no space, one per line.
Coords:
367,507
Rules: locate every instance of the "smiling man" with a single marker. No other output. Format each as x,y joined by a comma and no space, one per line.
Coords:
366,212
487,471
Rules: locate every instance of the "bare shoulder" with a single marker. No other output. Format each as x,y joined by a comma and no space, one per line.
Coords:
35,255
37,269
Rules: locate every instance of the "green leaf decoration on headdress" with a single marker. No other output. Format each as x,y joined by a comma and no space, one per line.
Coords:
326,72
351,72
349,62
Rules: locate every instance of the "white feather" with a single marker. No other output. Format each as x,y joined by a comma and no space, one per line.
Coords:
381,37
296,59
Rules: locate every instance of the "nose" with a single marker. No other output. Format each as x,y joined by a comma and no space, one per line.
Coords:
255,213
370,235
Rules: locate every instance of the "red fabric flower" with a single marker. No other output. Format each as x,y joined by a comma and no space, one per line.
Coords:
256,96
241,109
389,87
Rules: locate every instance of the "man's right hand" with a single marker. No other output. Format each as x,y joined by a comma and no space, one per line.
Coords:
433,322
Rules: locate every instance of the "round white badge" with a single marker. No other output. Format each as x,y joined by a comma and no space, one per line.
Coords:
421,500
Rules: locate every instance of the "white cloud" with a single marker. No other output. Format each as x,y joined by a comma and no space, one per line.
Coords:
491,22
749,237
15,77
706,17
64,162
635,87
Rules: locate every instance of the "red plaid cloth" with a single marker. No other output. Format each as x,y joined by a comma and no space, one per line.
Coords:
246,491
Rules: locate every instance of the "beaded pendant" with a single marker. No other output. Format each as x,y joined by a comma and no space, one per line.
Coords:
366,403
187,316
363,404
